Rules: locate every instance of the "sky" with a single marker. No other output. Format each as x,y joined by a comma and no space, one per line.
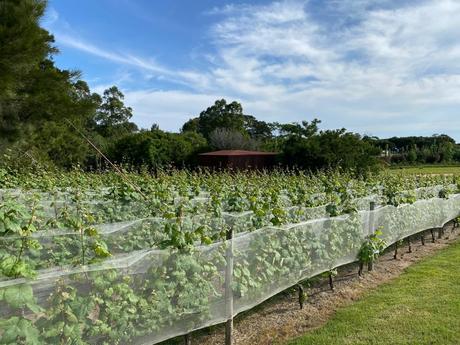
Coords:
376,67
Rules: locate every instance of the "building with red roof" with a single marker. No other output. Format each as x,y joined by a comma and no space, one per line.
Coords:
237,159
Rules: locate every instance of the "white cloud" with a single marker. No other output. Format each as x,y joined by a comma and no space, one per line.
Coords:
394,62
384,67
170,109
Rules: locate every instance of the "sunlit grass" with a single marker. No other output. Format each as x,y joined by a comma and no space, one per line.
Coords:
428,169
422,306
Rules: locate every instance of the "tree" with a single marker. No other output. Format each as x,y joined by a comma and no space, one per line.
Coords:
43,109
157,148
191,125
304,129
434,149
111,120
220,115
112,111
258,129
308,149
228,139
24,45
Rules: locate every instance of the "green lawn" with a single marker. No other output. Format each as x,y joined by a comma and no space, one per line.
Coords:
428,169
422,306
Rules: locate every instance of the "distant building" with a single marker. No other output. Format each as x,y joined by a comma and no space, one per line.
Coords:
237,159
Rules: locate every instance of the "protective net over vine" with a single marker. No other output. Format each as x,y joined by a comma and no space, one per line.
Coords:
144,295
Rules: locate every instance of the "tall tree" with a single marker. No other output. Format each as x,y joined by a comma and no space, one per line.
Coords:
112,117
113,111
220,115
23,45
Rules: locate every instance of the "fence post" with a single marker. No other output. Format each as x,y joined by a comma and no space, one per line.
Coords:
301,295
228,288
188,339
331,281
370,265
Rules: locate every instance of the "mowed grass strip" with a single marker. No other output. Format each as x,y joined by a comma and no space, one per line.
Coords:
428,169
422,306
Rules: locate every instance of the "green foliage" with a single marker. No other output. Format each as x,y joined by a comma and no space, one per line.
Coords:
24,45
155,149
305,147
18,330
372,247
220,115
180,281
418,150
15,220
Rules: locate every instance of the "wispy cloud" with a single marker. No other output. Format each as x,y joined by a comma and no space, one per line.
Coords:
393,60
183,77
73,42
353,63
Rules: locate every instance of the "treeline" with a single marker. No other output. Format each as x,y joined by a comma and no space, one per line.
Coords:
225,126
437,149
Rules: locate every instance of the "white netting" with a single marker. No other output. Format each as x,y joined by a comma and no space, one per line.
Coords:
137,231
144,296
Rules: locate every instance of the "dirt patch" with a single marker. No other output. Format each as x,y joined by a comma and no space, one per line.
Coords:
280,318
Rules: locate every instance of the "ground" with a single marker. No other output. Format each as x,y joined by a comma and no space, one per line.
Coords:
422,306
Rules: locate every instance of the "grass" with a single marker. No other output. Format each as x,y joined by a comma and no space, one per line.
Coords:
428,169
422,306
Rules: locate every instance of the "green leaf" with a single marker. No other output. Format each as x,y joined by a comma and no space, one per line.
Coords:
19,296
19,330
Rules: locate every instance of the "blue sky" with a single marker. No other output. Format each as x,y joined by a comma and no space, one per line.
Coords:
387,67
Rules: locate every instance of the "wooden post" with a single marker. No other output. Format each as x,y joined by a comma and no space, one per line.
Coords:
228,288
440,233
301,295
395,256
188,339
409,244
360,270
432,236
422,238
331,281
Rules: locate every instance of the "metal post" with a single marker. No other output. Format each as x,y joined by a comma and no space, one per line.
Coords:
228,288
371,217
370,264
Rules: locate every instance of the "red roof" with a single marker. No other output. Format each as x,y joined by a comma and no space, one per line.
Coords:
238,153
